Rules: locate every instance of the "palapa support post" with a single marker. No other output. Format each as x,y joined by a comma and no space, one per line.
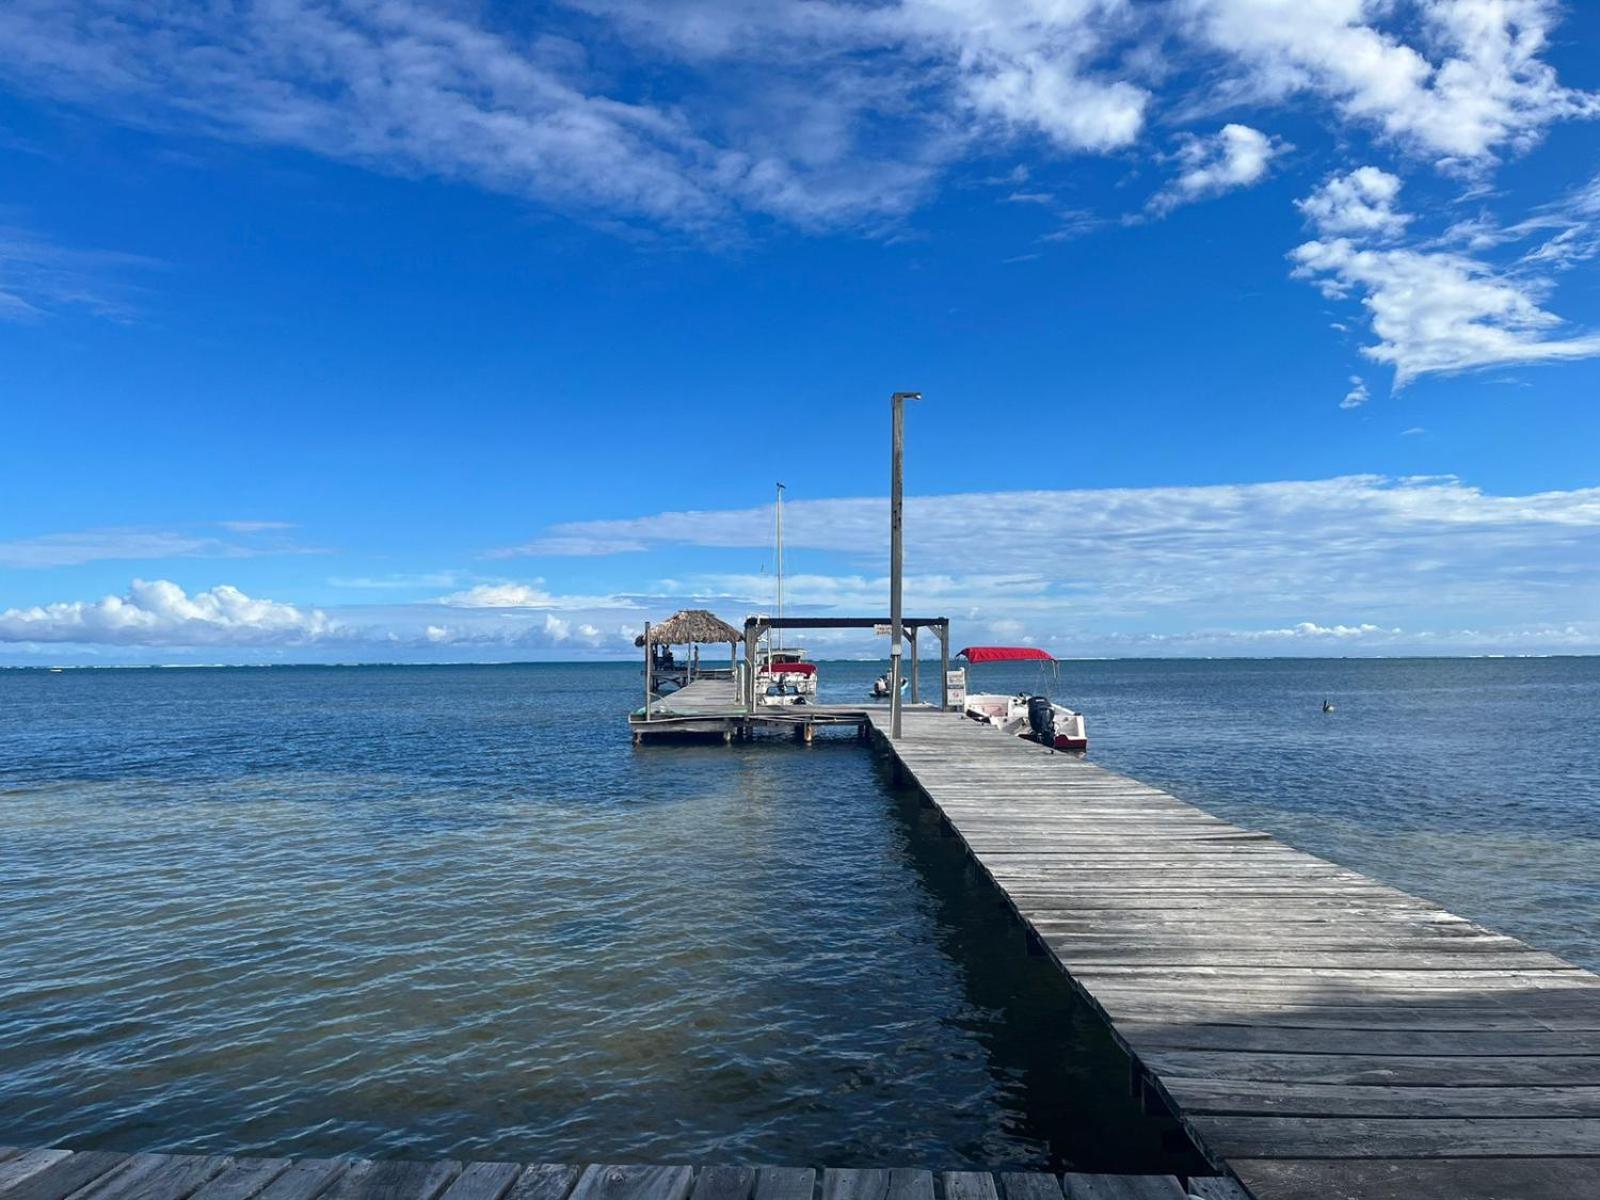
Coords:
649,670
750,669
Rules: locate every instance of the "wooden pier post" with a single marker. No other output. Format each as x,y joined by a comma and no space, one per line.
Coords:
943,632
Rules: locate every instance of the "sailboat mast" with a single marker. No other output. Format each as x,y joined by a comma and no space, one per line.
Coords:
780,563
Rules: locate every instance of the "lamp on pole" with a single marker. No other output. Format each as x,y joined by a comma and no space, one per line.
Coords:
897,405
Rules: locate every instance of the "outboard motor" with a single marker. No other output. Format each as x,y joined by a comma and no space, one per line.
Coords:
1042,719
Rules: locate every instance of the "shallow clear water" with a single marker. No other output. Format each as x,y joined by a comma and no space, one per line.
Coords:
430,911
437,911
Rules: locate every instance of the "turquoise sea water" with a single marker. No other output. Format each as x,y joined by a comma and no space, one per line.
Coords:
440,910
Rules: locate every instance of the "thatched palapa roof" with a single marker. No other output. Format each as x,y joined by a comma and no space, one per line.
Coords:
691,625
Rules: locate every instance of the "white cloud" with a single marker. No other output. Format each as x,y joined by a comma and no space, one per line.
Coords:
1310,629
1411,551
39,277
1434,310
819,113
397,582
256,526
1236,156
549,632
529,595
1360,203
160,613
1357,395
1031,66
1438,312
1359,564
98,545
1472,85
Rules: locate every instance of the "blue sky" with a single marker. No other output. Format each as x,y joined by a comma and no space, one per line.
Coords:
410,330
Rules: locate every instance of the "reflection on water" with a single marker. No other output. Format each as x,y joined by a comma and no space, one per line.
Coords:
453,911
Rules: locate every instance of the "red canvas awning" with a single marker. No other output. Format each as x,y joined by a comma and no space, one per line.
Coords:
794,668
979,654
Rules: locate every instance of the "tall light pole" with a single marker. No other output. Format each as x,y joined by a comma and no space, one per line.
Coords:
897,405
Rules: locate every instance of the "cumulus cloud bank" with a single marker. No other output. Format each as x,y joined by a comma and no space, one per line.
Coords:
1356,564
160,613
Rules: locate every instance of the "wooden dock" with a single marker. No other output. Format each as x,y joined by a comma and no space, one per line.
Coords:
712,708
96,1175
1321,1035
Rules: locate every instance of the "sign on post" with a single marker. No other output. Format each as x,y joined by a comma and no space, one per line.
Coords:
955,686
882,630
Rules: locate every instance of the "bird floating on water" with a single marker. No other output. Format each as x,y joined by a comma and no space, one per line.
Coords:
1327,706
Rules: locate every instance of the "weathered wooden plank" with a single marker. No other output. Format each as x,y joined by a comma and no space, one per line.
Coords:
1355,1100
609,1182
1240,1011
1461,1071
242,1179
841,1184
1421,1179
483,1181
1121,1187
1028,1185
20,1164
724,1183
909,1183
304,1179
155,1177
1216,1187
1398,1137
545,1181
1411,1043
1378,977
65,1176
394,1180
970,1185
785,1183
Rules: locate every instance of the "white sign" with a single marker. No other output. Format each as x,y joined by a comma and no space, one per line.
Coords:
882,630
955,684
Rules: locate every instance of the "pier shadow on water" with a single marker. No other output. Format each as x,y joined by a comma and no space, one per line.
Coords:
1070,1087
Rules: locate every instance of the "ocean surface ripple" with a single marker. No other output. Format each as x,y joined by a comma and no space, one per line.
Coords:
430,911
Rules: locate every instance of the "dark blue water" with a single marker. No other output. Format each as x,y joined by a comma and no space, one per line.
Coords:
432,911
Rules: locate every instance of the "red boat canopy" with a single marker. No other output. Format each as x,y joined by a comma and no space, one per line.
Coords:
978,654
794,668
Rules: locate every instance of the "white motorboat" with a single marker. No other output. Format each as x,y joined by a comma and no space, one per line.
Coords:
1033,716
783,676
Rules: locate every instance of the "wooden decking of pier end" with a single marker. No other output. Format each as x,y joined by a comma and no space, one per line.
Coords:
1321,1035
98,1175
711,707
